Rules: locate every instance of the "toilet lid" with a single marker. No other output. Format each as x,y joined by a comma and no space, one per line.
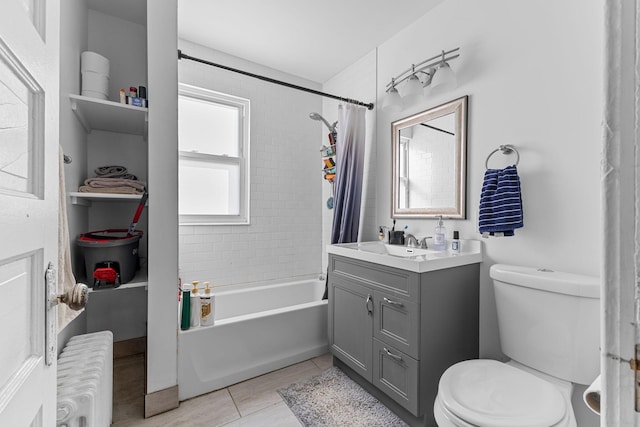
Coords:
491,393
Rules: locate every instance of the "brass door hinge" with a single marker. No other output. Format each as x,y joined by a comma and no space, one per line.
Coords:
634,364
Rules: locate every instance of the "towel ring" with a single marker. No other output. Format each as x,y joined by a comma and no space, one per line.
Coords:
506,149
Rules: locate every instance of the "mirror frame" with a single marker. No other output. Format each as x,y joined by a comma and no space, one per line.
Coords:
459,108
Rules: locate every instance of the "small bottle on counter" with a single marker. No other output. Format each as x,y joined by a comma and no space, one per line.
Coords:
206,307
195,305
455,243
123,96
142,93
185,319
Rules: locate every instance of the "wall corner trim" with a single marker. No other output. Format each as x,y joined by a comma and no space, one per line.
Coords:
161,401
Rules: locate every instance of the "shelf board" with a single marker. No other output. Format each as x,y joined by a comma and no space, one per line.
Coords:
98,114
85,199
140,280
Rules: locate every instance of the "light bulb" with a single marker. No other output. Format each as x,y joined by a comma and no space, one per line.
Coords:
392,101
426,86
444,78
412,90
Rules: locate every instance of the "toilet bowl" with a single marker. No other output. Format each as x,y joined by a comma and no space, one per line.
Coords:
549,327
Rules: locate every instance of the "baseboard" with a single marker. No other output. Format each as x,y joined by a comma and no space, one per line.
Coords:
161,401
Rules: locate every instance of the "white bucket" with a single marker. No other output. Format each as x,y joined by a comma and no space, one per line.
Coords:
94,62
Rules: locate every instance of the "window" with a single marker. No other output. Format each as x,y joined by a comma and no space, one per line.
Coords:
213,144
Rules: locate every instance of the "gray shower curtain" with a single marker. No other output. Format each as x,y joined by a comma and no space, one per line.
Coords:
349,167
349,171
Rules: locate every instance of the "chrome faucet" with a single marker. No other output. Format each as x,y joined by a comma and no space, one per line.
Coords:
423,243
412,241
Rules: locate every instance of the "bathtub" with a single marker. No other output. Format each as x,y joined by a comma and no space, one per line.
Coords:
257,329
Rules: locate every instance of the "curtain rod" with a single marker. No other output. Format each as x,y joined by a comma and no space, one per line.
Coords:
270,80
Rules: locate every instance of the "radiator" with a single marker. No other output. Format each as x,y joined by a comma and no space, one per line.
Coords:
85,381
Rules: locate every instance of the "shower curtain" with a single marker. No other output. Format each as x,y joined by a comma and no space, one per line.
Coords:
349,170
349,167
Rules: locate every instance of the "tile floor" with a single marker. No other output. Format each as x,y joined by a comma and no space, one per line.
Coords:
254,402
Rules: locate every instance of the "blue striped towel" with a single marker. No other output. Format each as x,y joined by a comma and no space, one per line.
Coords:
500,202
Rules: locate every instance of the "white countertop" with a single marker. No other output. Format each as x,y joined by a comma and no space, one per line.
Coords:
411,259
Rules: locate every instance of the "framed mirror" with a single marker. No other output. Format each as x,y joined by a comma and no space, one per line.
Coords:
429,151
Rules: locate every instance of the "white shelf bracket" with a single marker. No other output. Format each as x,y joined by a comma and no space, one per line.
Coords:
80,115
79,201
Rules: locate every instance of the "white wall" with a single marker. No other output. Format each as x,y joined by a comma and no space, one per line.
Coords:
125,43
533,73
283,240
162,335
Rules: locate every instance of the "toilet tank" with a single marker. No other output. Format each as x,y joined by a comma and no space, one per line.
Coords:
549,321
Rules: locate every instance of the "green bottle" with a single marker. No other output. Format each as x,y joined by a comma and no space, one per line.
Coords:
185,318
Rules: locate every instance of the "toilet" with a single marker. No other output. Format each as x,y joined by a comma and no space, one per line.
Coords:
549,326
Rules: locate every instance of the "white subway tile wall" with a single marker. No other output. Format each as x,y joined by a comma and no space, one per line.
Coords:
284,239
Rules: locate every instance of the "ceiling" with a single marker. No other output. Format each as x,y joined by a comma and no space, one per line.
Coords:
313,40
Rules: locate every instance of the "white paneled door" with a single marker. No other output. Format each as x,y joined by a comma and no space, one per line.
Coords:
29,47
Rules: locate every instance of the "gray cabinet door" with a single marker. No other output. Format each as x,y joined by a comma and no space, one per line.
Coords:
350,324
396,374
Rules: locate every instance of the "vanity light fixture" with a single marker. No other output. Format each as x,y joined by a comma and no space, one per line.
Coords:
435,73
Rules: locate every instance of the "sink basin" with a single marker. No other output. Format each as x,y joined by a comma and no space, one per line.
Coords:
406,252
412,259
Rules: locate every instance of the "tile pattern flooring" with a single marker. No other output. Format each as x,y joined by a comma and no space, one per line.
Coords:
254,402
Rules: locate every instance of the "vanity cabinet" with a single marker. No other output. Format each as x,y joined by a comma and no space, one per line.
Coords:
400,330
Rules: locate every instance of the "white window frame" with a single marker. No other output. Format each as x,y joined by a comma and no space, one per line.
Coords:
243,105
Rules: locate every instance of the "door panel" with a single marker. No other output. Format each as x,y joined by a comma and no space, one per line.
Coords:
21,127
17,286
396,374
397,322
351,322
29,144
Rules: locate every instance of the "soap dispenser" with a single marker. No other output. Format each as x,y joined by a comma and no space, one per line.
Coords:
439,236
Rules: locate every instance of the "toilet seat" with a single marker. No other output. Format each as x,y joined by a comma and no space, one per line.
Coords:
491,393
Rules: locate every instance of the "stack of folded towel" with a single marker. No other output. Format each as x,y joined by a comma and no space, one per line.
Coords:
113,179
500,203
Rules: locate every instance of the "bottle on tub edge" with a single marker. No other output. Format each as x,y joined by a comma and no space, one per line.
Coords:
185,319
206,306
195,305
